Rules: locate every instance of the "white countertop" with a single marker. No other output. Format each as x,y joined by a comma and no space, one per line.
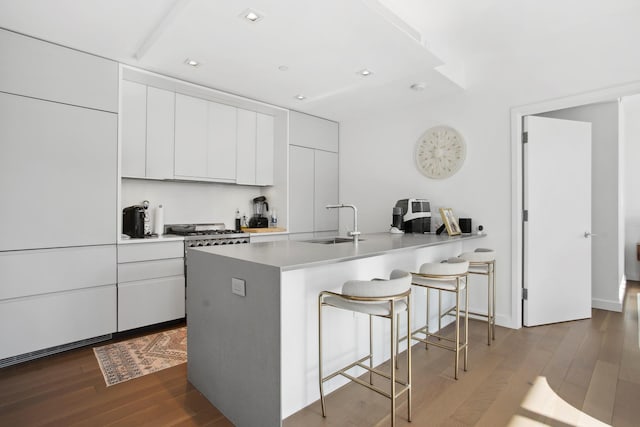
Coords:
293,255
163,238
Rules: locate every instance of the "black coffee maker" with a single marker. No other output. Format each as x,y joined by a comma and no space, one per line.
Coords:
259,218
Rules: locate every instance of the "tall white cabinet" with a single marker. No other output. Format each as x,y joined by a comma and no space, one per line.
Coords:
313,174
58,180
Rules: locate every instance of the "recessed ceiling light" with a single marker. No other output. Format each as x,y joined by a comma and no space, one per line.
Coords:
251,15
283,68
364,72
418,86
300,97
192,62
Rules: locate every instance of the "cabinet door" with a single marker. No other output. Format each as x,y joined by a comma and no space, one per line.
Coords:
301,189
43,321
191,137
264,149
313,132
246,154
326,190
221,142
160,132
133,120
146,302
58,174
45,70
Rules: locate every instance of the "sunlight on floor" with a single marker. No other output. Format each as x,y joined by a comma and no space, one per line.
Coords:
542,407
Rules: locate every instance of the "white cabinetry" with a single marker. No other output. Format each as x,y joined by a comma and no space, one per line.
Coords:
150,283
191,137
147,121
160,130
205,144
48,71
56,158
133,117
255,148
52,297
313,174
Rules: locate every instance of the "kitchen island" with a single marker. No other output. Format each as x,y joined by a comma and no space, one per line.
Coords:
253,318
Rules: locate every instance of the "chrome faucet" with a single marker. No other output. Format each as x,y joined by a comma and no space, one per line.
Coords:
355,233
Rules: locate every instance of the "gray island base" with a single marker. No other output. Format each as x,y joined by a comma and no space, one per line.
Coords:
255,356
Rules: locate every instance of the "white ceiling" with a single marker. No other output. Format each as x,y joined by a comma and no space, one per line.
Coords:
451,45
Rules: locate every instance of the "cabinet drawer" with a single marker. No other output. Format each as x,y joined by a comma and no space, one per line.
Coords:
143,270
150,251
24,273
147,302
43,321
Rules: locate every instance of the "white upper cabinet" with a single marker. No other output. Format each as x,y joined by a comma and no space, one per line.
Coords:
221,142
160,133
133,119
264,149
147,123
48,71
246,160
255,148
325,190
313,132
301,189
191,137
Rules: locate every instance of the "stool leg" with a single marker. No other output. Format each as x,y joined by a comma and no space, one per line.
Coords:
409,357
426,338
370,349
493,306
489,304
457,327
466,322
439,311
322,403
398,338
392,354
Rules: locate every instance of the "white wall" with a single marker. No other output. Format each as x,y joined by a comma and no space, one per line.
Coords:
630,118
606,248
191,202
377,168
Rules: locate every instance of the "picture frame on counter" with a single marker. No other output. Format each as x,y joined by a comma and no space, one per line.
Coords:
450,221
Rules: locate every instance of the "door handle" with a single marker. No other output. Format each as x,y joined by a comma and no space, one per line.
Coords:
587,234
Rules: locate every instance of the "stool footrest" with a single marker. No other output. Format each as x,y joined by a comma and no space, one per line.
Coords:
384,393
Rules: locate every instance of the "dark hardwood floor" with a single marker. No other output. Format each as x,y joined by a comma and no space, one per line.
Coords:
569,374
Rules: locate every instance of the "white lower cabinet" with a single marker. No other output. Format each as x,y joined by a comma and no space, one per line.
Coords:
53,297
151,285
42,321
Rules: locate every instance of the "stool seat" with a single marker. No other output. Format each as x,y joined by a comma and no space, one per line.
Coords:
373,308
479,256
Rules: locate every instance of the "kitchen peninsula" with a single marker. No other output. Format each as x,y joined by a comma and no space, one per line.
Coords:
253,320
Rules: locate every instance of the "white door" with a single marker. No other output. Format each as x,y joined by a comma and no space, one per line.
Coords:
557,239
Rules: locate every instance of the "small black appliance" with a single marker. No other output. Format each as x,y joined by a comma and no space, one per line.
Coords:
396,219
260,208
133,221
416,215
465,225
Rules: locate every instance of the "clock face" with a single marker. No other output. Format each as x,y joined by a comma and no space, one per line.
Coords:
440,152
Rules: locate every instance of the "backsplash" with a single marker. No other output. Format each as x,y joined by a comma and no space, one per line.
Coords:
191,202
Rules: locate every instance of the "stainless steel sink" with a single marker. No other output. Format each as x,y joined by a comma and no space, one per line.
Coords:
332,240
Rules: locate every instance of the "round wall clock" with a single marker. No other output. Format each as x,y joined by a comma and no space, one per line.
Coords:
440,152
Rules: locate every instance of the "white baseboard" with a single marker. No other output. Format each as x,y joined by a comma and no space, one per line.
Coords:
608,305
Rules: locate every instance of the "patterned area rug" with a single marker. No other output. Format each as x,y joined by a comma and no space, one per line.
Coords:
134,358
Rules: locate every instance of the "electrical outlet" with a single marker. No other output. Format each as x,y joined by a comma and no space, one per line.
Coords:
238,287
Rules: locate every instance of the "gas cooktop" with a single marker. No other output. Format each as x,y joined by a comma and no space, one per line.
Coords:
203,230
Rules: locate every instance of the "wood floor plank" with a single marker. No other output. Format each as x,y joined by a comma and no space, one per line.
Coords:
601,394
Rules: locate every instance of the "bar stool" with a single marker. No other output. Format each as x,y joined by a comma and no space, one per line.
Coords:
483,262
380,298
446,276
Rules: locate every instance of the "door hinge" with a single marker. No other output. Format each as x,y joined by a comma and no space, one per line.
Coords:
525,137
525,293
525,215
